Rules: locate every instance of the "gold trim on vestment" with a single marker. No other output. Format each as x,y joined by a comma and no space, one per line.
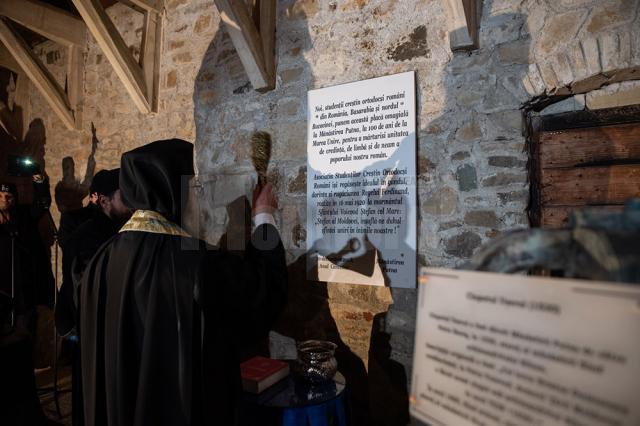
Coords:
154,222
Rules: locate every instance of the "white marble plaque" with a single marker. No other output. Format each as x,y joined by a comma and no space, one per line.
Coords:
361,182
494,349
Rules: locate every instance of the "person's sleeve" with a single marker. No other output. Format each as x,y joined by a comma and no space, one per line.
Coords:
251,290
65,310
263,218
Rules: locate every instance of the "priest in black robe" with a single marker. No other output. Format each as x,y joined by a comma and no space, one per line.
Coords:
162,314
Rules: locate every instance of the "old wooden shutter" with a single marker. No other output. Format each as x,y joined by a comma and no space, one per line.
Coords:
584,159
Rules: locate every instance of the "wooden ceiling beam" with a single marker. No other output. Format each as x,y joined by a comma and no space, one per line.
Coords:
37,73
49,21
8,61
247,40
116,51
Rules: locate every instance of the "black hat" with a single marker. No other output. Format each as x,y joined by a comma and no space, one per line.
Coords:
154,177
8,187
105,182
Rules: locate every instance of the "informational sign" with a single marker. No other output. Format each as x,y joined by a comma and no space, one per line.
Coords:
496,349
361,192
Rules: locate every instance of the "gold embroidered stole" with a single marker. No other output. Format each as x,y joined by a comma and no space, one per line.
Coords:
154,222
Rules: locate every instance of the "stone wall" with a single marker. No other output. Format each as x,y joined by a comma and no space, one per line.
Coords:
472,182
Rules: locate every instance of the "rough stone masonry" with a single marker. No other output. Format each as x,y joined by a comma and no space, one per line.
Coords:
472,182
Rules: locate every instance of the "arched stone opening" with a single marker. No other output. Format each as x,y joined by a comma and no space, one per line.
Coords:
585,99
589,64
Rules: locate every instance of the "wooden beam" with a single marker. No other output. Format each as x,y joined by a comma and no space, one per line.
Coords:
595,145
150,55
558,217
246,39
590,185
115,49
39,75
465,24
7,60
268,36
49,21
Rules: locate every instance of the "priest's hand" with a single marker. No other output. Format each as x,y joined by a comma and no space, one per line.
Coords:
264,200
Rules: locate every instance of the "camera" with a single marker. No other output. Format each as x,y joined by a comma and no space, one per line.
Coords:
22,165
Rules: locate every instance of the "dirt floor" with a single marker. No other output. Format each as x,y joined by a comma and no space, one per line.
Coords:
45,381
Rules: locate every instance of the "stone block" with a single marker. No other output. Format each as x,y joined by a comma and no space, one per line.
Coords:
462,245
202,24
426,168
288,107
506,161
625,49
574,103
515,52
303,9
504,179
467,178
182,57
609,51
510,121
591,53
460,155
176,44
562,69
449,225
559,27
483,218
577,62
521,196
609,15
471,97
548,76
536,79
635,47
299,183
172,79
616,95
441,203
528,87
290,75
470,131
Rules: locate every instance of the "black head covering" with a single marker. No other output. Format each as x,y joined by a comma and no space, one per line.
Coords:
105,182
152,177
8,187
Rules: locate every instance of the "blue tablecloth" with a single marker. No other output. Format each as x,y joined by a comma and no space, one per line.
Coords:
299,403
330,413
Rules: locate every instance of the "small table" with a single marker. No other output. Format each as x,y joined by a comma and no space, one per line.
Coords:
300,403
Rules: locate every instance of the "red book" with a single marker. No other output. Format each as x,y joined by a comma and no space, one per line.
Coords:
258,373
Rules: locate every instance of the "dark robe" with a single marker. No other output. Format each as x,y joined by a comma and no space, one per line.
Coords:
162,316
78,250
34,282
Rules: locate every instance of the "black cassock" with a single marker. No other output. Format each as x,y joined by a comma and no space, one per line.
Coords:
162,315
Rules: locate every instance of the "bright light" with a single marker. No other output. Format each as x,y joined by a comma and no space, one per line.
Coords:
27,161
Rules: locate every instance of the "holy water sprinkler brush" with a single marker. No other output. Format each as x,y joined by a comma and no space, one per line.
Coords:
260,153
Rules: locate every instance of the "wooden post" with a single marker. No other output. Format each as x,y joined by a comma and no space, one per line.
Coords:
465,23
49,21
39,75
246,39
116,51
